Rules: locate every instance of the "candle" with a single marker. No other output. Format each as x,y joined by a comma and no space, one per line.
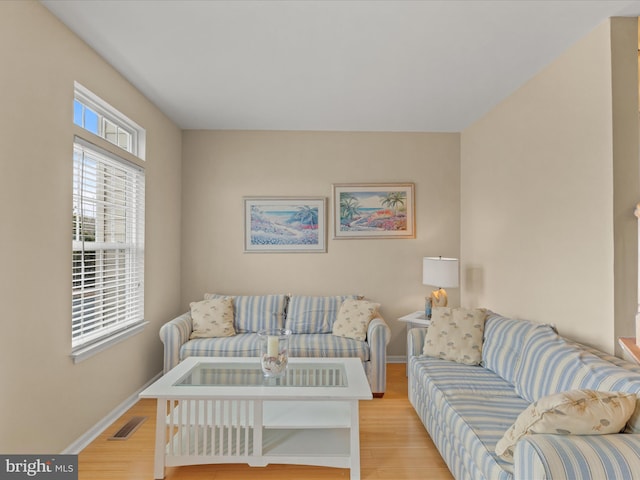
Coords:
272,346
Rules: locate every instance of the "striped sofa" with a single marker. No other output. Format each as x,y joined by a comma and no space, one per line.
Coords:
466,409
310,319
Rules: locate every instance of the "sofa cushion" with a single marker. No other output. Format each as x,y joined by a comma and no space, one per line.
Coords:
256,312
212,318
466,409
634,367
454,378
503,340
240,345
327,345
307,314
596,457
456,334
301,345
577,412
550,364
353,318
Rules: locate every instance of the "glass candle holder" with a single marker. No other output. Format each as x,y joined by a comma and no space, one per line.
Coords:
274,351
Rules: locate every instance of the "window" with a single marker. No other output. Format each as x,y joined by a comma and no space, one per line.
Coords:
107,237
98,117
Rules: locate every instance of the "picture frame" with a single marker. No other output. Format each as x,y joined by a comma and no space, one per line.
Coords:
285,224
373,210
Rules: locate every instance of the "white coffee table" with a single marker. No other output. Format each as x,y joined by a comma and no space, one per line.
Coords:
222,410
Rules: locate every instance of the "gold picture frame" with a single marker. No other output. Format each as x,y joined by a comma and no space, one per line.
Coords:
373,210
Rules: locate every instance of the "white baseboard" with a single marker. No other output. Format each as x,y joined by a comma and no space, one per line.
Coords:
76,447
396,359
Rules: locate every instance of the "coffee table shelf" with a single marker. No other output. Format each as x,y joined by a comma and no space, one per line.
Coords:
324,447
307,414
204,420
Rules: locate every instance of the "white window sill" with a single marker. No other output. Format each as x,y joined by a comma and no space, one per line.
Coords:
83,353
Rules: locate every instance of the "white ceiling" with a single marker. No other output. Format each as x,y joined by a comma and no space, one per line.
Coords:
434,66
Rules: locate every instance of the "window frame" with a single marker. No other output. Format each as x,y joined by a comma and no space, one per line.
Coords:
119,324
107,113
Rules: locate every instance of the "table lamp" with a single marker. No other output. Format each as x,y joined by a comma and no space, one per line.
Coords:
442,273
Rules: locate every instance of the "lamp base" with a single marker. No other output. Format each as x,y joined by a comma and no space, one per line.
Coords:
439,298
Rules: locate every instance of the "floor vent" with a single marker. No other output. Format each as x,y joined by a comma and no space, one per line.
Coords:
128,429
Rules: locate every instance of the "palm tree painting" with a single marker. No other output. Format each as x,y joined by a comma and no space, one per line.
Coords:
284,225
373,210
349,207
307,216
395,200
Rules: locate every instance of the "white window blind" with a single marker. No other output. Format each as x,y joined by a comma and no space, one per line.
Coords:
108,244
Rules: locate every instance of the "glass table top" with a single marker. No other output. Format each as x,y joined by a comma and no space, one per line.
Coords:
250,375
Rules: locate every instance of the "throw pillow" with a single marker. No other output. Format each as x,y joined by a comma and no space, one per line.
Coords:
212,318
576,412
353,318
455,334
256,312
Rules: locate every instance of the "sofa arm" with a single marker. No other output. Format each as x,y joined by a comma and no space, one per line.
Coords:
415,341
378,337
174,334
577,457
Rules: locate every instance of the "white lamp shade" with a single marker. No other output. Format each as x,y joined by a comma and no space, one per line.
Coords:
440,272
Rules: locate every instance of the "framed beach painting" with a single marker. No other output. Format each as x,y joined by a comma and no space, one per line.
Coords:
285,224
373,210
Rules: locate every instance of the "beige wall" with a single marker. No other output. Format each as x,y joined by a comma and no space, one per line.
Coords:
47,402
220,167
538,216
533,197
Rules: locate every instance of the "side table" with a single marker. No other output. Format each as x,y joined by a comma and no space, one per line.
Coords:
414,320
630,349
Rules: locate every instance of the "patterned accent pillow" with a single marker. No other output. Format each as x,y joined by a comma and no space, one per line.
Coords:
255,312
456,334
353,319
212,318
576,412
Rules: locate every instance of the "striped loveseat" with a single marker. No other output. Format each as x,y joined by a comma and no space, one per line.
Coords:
468,408
310,319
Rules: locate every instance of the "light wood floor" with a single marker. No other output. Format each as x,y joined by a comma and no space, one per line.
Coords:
394,445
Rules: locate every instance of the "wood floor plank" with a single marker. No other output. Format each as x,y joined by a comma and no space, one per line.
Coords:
394,445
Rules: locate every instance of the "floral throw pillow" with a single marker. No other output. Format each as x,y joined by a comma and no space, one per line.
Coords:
455,334
576,412
212,318
353,318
